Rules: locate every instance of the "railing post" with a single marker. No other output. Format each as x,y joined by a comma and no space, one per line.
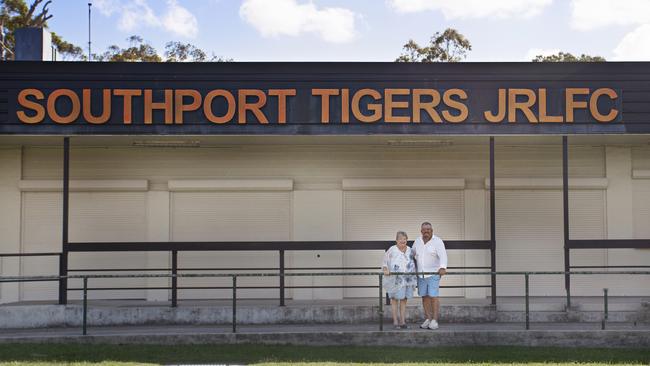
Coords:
606,316
174,278
527,302
281,277
381,302
85,306
234,303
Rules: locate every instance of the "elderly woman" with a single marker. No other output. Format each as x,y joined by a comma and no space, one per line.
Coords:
399,258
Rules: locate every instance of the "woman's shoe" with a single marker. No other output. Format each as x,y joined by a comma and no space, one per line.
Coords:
404,326
396,327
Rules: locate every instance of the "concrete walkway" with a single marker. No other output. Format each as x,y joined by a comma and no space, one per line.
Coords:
483,334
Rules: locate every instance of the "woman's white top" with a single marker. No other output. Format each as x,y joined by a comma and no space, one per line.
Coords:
397,261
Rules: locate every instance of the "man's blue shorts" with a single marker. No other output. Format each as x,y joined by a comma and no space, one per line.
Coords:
429,286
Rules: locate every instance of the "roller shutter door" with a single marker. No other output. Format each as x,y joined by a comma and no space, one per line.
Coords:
378,215
94,216
230,216
529,231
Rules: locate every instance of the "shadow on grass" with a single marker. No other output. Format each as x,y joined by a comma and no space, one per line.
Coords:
158,354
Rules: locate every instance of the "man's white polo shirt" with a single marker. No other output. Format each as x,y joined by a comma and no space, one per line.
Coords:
430,256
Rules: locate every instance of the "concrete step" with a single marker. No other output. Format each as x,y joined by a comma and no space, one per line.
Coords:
44,316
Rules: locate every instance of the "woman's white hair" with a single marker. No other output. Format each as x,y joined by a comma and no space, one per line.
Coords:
401,233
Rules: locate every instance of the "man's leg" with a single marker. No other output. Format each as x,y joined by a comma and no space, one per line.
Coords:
428,310
427,314
435,307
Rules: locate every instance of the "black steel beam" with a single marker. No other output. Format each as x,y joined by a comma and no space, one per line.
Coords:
257,246
609,244
63,258
493,226
565,213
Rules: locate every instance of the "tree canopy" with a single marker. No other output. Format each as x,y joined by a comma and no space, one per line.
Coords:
568,57
141,51
448,46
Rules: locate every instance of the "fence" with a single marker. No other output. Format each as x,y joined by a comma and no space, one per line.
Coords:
379,275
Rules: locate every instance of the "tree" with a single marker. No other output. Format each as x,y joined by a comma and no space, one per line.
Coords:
567,57
141,51
138,50
180,52
15,14
448,46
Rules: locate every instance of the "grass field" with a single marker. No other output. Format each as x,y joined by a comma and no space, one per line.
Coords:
42,354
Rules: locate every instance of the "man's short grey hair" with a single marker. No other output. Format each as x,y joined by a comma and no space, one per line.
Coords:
426,223
401,233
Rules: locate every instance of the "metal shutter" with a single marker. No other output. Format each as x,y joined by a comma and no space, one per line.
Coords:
94,216
378,215
230,216
529,231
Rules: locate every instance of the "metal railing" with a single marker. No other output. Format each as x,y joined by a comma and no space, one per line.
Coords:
280,247
379,275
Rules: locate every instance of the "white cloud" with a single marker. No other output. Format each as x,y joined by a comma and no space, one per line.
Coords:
290,18
635,46
135,14
106,7
180,21
591,14
471,9
534,52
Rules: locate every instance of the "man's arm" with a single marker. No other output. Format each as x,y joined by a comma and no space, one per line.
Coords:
442,254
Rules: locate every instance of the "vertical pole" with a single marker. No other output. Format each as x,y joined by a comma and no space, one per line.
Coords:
281,277
174,278
565,205
85,305
234,303
606,307
89,53
381,302
63,258
493,235
527,302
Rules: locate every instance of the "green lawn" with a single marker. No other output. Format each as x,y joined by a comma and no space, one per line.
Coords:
42,354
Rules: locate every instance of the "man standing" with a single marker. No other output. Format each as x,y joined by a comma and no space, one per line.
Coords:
431,257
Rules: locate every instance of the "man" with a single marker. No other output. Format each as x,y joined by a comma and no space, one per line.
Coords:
431,257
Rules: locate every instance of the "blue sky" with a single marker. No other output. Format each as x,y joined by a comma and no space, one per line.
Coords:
363,30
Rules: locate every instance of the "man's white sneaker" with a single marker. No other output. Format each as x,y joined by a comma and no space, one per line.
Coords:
433,324
425,325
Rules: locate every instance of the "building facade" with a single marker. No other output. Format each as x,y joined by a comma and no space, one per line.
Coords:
323,152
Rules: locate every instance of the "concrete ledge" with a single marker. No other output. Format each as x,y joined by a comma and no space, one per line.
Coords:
531,338
47,316
402,184
116,185
211,185
640,174
547,183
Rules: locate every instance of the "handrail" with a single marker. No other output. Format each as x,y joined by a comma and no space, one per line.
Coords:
380,276
274,274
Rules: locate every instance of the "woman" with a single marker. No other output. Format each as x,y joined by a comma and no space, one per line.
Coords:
399,258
